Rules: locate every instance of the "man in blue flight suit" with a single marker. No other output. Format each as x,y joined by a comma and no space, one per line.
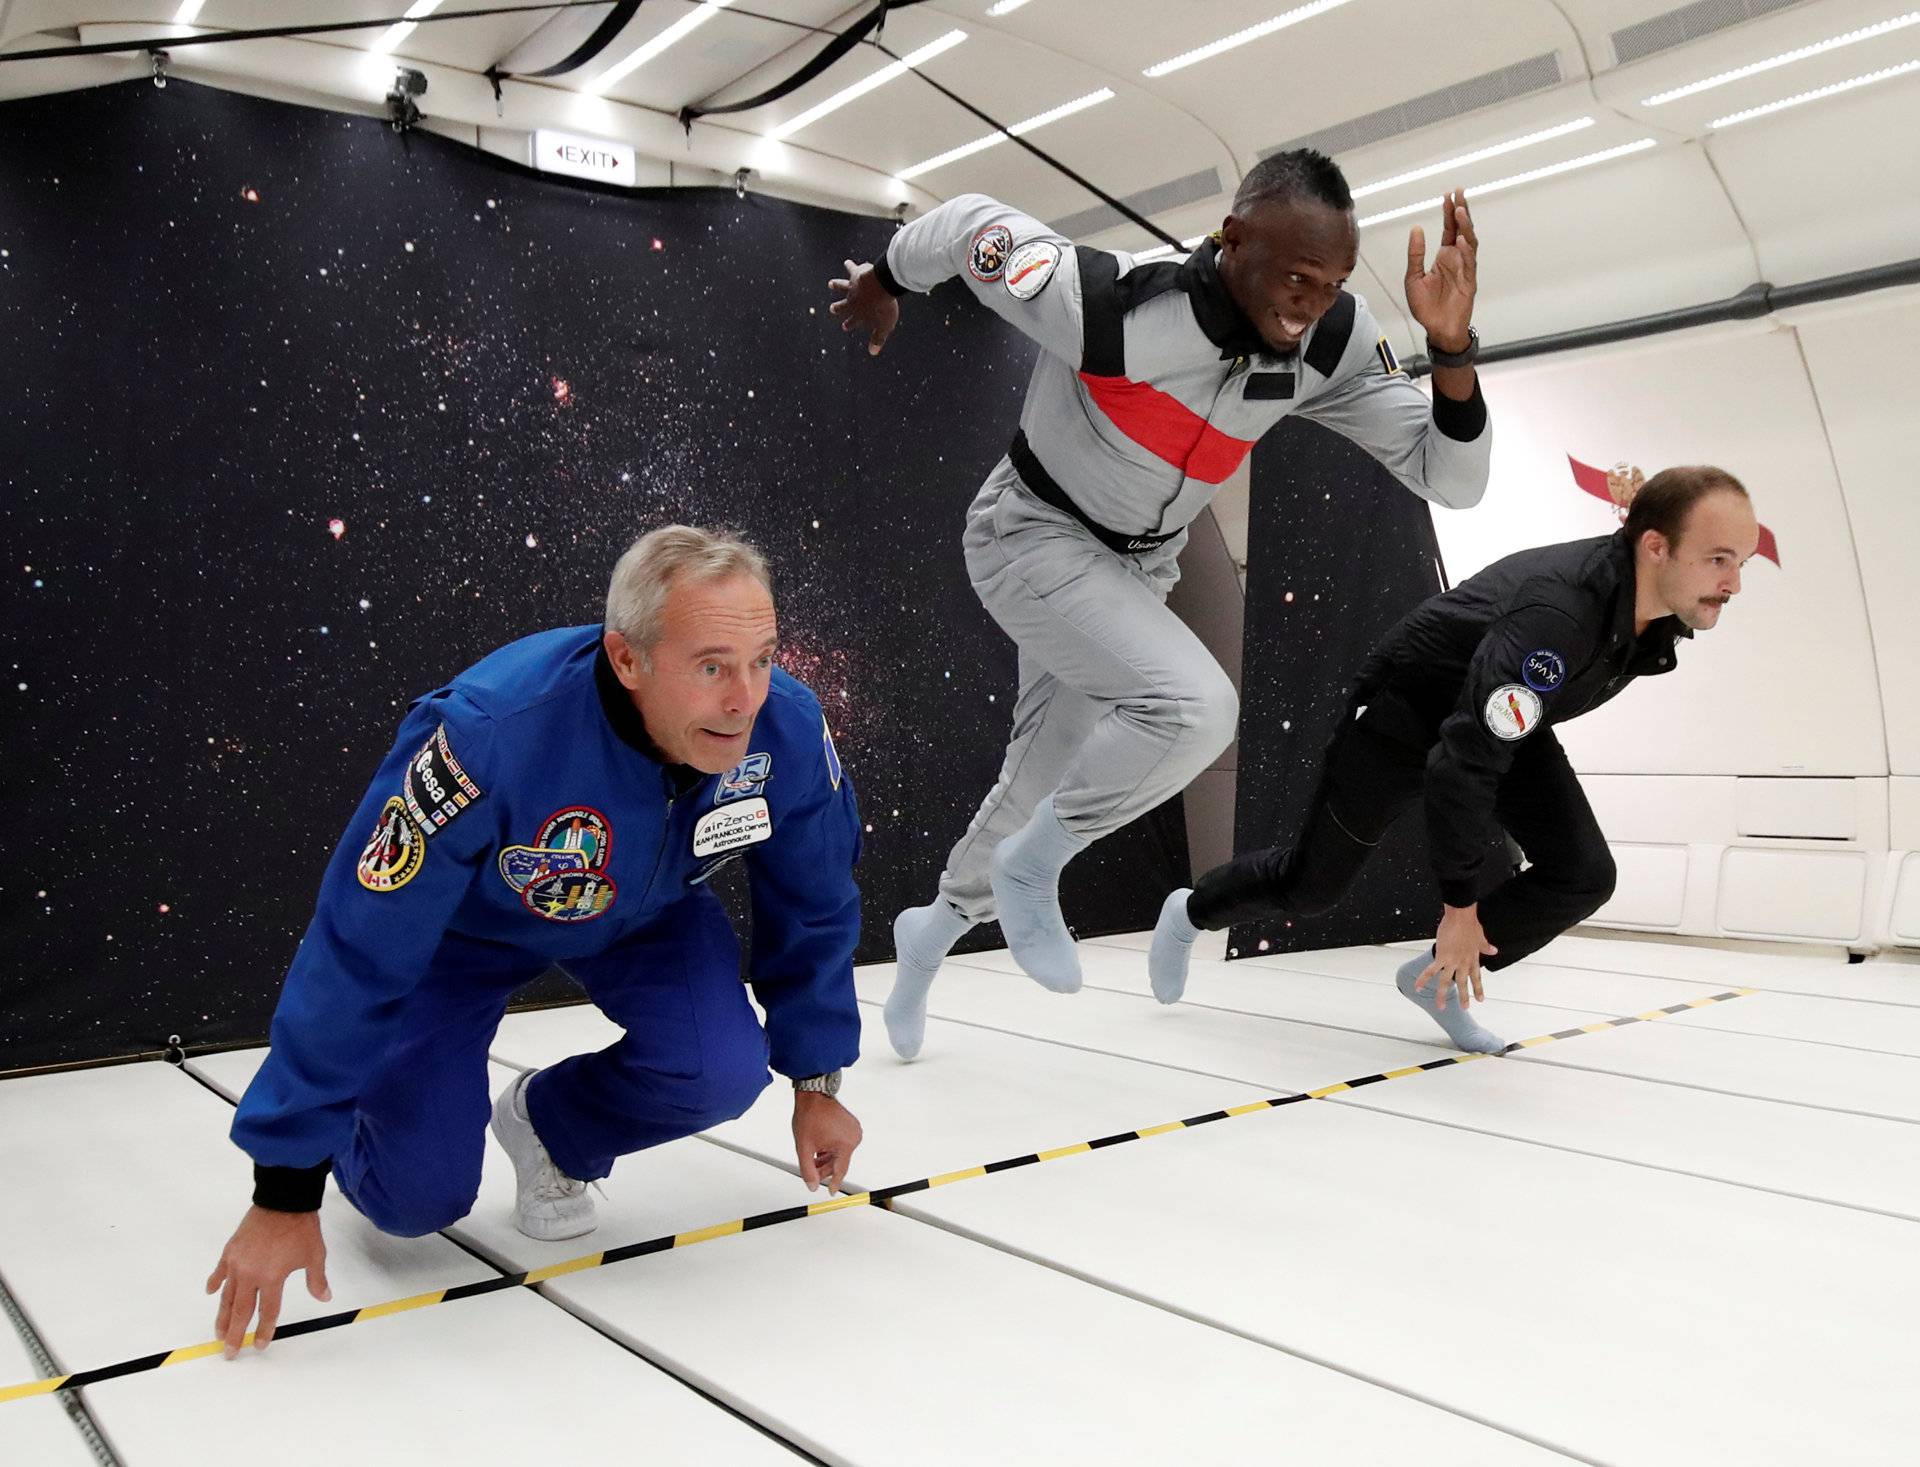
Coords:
1454,710
565,800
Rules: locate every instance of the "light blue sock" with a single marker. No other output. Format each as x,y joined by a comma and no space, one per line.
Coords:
1460,1025
1026,886
922,938
1173,938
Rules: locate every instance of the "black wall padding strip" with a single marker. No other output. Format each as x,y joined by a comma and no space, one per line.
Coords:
267,33
1045,157
839,46
602,37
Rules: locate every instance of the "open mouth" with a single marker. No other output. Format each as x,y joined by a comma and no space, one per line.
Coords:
1290,327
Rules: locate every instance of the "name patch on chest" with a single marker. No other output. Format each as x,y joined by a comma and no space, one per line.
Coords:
733,826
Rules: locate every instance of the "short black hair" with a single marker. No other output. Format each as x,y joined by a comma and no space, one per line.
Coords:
1297,173
1664,501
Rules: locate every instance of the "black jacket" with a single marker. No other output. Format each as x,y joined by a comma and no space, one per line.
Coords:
1535,639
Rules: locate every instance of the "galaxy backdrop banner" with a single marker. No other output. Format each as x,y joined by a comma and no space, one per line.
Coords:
300,417
1337,552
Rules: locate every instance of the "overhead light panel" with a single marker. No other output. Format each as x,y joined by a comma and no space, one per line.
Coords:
188,12
685,26
1005,7
1785,58
1241,38
1467,160
1019,129
866,84
1481,191
394,34
1814,96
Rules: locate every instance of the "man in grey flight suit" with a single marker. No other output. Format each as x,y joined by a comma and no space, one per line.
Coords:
1154,381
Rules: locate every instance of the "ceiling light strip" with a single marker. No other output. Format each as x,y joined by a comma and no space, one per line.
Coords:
1814,96
1019,129
1587,160
188,12
1005,7
394,34
860,88
647,50
1785,58
1467,160
1241,38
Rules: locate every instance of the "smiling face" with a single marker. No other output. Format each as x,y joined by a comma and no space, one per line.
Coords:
1284,263
701,685
1695,575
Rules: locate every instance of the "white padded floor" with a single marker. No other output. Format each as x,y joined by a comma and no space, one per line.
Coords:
1675,1242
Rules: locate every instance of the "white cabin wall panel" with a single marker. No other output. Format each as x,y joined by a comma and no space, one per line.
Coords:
1574,251
1795,175
1794,893
1651,887
1801,809
1858,353
1786,684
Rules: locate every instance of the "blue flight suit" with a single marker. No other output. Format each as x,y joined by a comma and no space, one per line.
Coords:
524,819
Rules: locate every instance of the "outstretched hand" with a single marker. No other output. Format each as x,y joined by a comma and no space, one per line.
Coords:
1441,299
824,1137
867,305
253,1270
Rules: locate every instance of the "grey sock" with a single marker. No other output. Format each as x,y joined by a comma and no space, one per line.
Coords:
1461,1027
922,938
1173,938
1026,887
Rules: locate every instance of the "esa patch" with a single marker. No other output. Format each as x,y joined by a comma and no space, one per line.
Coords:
1543,671
437,788
1389,363
833,754
578,828
732,827
1512,711
569,896
987,254
393,855
1030,267
521,866
748,777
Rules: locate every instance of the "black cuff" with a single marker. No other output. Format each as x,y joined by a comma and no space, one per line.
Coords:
1459,893
1461,421
883,272
290,1188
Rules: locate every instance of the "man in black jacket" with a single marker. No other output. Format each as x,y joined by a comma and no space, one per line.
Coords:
1456,705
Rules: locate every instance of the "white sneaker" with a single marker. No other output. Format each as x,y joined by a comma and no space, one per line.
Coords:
548,1204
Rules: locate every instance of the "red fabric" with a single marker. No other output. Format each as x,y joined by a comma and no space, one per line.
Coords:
1594,481
1167,428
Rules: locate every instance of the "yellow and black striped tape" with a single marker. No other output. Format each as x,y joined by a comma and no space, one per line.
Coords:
880,1197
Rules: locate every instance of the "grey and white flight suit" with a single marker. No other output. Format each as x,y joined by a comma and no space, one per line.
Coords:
1152,386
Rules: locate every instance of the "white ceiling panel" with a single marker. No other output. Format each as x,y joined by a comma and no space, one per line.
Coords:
1391,85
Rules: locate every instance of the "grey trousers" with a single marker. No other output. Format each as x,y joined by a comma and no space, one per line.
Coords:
1120,706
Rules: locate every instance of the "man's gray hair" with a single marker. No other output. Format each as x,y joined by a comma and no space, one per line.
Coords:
647,572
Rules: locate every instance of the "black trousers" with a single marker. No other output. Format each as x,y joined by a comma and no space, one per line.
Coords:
1375,768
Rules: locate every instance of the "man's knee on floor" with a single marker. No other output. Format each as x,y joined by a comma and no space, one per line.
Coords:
418,1214
729,1085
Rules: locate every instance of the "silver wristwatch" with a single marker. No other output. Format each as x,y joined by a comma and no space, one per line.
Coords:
827,1084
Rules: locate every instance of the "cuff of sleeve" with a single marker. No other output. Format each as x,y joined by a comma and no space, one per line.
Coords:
883,272
1458,893
290,1188
1461,421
